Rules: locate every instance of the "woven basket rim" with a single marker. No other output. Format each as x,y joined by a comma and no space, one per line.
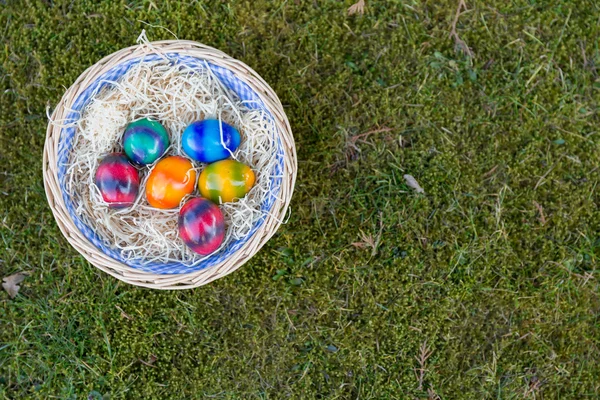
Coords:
169,281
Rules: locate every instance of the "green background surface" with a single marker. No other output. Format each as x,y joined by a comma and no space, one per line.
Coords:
491,276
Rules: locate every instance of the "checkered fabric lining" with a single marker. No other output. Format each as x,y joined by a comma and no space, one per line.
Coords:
230,81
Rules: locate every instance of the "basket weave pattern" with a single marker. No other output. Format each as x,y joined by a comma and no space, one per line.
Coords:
97,257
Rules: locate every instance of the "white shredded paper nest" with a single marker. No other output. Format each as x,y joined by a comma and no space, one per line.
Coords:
174,95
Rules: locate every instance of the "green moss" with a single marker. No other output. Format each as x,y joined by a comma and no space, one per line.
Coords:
507,304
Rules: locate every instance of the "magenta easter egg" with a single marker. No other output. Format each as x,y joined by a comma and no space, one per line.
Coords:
117,180
201,225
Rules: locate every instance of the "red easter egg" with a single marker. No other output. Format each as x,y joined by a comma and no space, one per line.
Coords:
117,180
201,225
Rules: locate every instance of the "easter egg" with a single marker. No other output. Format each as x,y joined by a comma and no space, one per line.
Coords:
202,140
117,180
145,141
171,179
201,226
225,180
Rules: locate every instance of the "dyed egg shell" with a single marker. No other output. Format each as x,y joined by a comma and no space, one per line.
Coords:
145,141
201,226
117,180
171,179
225,181
201,140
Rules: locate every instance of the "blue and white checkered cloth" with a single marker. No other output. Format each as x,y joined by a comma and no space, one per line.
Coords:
230,81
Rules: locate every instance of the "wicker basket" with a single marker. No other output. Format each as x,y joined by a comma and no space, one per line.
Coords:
92,252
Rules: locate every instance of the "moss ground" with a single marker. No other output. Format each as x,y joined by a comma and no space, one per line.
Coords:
484,287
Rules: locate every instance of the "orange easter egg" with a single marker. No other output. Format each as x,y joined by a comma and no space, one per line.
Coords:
170,181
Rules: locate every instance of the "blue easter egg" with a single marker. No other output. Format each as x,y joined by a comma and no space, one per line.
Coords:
202,142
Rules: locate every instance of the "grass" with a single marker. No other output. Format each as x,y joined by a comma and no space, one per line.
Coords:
486,286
